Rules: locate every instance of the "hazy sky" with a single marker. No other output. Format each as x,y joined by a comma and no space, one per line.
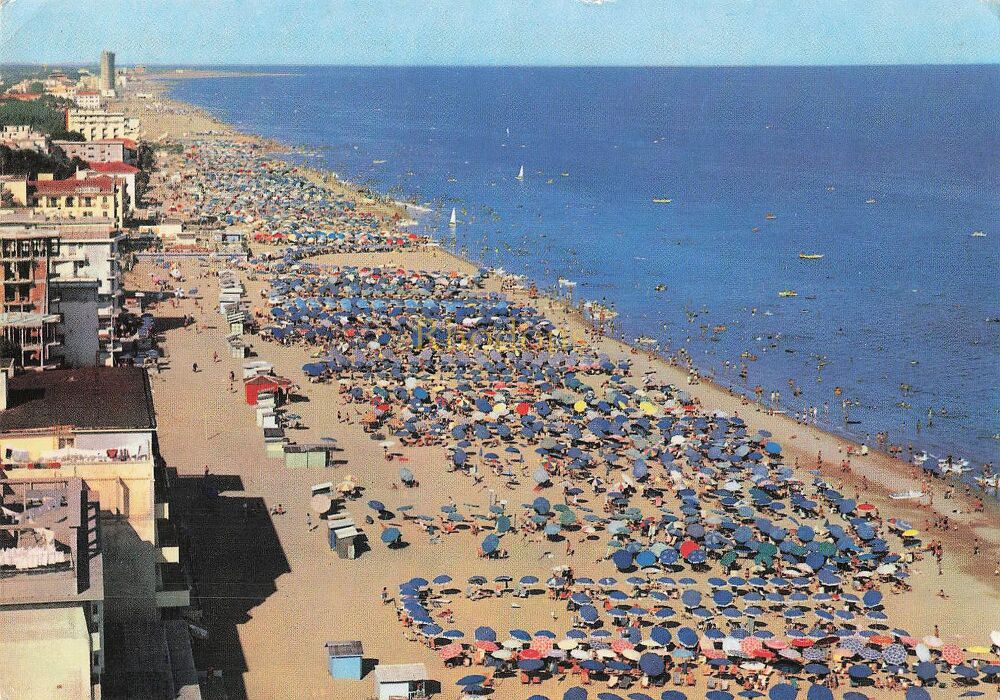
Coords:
658,32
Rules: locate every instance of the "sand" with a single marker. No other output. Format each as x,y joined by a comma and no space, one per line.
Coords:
273,592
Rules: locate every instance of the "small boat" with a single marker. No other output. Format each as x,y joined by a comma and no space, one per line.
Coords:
564,174
770,216
979,234
811,256
661,200
660,287
785,293
563,282
756,229
906,495
378,162
870,200
454,219
520,174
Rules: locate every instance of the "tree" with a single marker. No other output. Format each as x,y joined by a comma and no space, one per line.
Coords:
36,88
6,198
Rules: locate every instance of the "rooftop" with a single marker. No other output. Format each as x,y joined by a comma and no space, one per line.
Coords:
400,673
102,184
89,398
49,549
118,168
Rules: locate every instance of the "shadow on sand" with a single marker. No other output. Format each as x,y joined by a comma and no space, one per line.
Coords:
235,557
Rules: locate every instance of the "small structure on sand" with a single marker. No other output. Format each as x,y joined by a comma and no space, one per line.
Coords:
345,659
401,682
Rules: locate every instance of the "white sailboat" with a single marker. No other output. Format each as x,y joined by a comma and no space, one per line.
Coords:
454,219
520,174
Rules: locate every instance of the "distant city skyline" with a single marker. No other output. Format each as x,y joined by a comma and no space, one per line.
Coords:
507,32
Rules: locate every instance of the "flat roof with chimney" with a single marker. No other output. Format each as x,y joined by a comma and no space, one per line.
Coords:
87,399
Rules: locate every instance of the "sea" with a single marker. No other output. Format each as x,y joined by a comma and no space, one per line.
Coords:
886,172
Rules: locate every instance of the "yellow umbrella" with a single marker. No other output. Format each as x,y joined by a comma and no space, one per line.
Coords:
911,533
580,406
647,408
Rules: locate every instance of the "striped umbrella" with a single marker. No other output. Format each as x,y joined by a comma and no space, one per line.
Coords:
894,654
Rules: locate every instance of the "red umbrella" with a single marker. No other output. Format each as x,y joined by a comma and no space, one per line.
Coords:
486,645
762,654
687,547
619,645
803,642
531,654
952,654
522,408
543,645
748,645
776,644
450,651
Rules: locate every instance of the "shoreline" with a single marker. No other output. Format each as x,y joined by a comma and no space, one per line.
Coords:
875,475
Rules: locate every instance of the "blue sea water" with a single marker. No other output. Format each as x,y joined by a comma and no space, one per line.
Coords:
903,295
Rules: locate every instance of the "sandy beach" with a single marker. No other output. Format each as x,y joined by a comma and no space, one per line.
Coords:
273,593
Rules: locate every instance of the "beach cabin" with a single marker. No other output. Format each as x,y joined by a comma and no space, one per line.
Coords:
279,386
344,659
306,456
343,535
256,368
401,682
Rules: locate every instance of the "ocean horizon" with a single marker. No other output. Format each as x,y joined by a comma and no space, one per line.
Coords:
884,171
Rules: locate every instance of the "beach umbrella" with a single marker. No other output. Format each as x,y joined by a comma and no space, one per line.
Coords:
917,693
651,664
819,692
442,579
490,544
782,691
390,535
474,679
530,664
376,506
575,693
926,670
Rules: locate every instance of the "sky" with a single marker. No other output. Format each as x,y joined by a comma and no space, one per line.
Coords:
502,32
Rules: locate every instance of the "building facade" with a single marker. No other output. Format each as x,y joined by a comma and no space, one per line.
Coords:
97,124
81,197
100,151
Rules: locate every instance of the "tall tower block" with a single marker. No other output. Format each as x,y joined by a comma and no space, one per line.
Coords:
107,71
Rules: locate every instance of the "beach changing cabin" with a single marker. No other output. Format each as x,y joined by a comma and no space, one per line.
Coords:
343,535
266,383
401,682
306,456
345,659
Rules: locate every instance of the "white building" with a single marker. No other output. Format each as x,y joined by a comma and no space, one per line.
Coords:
97,124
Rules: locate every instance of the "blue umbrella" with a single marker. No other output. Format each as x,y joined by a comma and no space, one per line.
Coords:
485,634
376,505
917,693
490,544
651,664
390,535
783,691
575,693
474,679
818,692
